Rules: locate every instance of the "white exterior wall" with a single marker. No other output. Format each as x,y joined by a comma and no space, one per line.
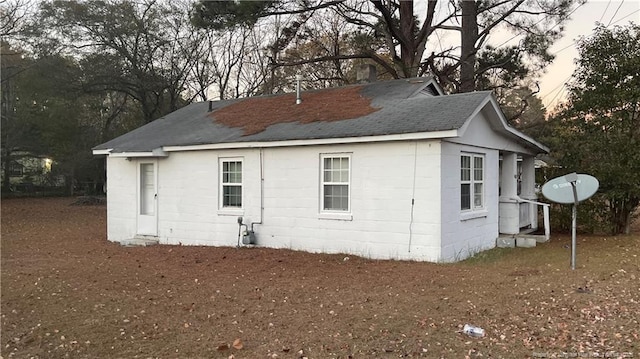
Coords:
121,199
464,233
380,224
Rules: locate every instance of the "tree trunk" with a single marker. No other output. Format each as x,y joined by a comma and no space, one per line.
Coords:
468,45
408,47
71,178
6,181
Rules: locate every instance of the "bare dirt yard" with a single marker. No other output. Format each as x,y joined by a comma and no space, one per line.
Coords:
68,292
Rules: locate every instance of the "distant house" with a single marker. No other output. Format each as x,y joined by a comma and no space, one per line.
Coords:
27,170
392,169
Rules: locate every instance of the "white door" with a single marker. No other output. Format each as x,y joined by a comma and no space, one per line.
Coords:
148,198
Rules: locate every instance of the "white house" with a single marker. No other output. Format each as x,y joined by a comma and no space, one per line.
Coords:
390,169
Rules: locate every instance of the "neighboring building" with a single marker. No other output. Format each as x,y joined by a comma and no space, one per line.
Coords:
390,169
28,171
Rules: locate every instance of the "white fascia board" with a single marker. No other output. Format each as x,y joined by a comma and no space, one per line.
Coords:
475,112
131,154
102,152
322,141
528,139
158,152
503,124
515,132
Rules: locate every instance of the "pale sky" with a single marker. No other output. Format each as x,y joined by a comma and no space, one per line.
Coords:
582,23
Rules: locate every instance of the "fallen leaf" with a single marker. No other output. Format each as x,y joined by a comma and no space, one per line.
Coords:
222,347
237,344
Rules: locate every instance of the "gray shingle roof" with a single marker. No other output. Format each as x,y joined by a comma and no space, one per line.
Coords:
402,111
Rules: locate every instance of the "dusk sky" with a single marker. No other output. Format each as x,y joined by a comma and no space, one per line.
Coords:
583,21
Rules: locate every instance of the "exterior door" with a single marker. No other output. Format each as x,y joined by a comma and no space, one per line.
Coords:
148,198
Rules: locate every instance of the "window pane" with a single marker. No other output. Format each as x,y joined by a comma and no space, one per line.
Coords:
465,168
238,172
328,200
465,175
232,196
336,197
231,172
477,168
477,195
344,163
147,189
465,196
344,170
465,161
327,170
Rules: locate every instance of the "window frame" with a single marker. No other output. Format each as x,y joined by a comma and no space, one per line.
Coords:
16,169
222,184
473,181
323,183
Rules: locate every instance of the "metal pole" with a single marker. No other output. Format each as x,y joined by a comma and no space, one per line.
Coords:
574,220
574,216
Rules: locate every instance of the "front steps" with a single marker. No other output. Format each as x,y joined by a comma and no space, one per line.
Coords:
140,241
522,240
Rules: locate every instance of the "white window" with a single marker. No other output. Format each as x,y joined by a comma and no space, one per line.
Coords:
335,191
471,182
231,182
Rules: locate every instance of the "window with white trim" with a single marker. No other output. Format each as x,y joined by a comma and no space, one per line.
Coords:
471,182
335,191
231,183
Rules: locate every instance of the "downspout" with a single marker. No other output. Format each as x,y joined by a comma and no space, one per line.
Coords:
413,192
261,190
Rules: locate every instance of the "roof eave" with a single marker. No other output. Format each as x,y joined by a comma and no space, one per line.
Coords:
542,148
504,126
158,152
102,152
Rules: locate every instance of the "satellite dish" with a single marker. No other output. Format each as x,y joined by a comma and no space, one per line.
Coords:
571,188
559,189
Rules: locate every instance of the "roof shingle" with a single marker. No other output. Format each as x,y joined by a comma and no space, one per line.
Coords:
379,108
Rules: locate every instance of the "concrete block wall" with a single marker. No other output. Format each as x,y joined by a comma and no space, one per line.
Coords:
121,199
466,233
383,222
378,225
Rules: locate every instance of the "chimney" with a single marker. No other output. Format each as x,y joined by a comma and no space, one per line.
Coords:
366,73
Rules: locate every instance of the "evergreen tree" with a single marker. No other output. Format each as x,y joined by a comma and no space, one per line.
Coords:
598,130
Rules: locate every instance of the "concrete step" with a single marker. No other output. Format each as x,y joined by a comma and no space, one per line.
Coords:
520,240
140,241
540,238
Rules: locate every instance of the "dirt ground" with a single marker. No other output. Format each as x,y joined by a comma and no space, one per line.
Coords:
68,292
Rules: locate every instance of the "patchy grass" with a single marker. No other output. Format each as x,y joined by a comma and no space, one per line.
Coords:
490,256
67,292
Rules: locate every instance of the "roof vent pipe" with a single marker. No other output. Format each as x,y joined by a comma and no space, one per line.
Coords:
298,97
210,105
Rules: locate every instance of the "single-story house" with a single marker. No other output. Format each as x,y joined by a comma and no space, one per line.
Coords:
386,170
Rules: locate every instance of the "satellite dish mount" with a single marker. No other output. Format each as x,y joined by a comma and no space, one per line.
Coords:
571,189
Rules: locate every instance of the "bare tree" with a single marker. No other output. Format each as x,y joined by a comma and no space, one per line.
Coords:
13,17
398,35
144,49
